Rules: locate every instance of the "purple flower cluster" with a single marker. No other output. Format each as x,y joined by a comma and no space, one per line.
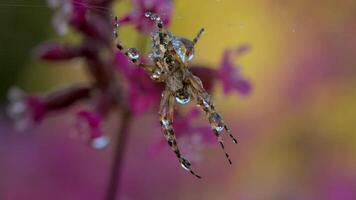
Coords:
116,82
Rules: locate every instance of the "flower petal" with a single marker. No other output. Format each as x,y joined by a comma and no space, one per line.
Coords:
229,73
56,51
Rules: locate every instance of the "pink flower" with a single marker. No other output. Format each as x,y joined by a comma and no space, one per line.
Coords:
93,21
137,16
143,93
89,17
229,73
90,122
26,110
57,51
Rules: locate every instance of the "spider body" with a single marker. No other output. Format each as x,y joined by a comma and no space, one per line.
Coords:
170,56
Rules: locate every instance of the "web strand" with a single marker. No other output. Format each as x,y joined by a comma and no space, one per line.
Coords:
91,7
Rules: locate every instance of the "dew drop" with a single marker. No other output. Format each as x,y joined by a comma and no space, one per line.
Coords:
156,75
148,14
133,53
206,104
100,142
183,100
219,128
185,164
180,49
165,123
156,18
216,122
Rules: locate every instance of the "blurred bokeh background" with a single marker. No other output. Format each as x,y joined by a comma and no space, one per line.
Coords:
297,128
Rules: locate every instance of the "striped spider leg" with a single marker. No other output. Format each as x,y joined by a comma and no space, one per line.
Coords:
166,112
205,102
131,53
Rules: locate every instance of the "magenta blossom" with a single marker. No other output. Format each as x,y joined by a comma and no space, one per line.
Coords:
229,73
104,92
90,17
90,122
137,16
143,93
28,109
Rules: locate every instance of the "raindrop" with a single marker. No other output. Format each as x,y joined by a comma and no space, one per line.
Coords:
165,123
180,49
133,53
216,122
219,128
156,75
148,14
183,99
185,164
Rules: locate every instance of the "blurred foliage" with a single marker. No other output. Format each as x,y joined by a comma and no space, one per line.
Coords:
24,24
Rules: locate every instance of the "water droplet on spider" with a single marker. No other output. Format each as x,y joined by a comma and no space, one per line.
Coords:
148,14
183,99
219,128
100,142
216,122
165,123
156,18
157,74
133,53
185,164
180,49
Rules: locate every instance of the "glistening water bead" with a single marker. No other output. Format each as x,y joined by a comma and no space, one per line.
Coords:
185,164
182,50
165,123
132,53
183,99
216,122
182,96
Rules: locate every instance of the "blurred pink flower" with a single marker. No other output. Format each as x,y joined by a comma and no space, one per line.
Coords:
143,93
137,16
90,122
89,17
56,51
104,92
229,73
28,109
339,187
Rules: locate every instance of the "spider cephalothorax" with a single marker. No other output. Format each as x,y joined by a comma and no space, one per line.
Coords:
170,56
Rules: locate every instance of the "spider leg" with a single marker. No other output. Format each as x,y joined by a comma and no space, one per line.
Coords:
196,39
166,119
131,53
204,101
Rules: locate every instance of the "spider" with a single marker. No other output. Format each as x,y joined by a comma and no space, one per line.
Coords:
170,56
